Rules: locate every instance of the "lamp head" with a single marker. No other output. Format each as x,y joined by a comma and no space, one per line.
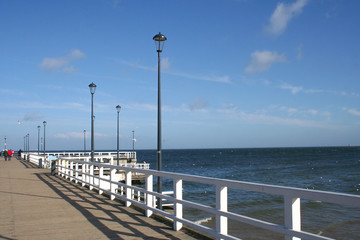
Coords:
118,108
159,41
92,87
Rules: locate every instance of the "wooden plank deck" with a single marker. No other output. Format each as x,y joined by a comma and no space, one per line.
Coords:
36,205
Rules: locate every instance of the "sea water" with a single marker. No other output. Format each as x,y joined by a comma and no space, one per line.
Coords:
335,169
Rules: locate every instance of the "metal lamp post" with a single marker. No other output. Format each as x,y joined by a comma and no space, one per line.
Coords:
92,87
28,142
118,108
84,142
24,143
44,122
38,140
159,43
133,139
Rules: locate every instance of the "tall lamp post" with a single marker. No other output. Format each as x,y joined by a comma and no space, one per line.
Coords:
38,140
44,122
28,142
24,143
84,142
159,43
118,108
92,87
133,140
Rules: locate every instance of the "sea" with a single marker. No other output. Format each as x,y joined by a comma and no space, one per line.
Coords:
335,169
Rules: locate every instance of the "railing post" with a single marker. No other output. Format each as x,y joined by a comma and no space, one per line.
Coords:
292,215
91,178
149,198
112,185
63,168
87,179
178,206
76,172
83,176
71,170
221,205
67,169
101,175
128,189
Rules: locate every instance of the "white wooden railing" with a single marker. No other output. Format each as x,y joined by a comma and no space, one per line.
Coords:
45,162
83,172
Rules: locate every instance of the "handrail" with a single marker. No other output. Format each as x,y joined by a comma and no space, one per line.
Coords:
82,171
45,162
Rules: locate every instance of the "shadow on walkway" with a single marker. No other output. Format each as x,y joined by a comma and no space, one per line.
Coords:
110,217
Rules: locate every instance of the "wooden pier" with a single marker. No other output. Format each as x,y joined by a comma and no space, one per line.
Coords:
37,205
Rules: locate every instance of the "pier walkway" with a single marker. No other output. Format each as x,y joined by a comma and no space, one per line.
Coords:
37,205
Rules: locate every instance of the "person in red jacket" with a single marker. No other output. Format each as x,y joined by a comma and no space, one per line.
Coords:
9,155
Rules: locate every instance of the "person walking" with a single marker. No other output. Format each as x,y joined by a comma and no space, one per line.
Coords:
9,155
6,154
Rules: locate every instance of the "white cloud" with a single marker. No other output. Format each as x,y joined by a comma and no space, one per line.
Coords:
293,89
32,117
167,69
354,112
198,104
61,63
75,135
262,61
282,16
313,111
165,64
300,53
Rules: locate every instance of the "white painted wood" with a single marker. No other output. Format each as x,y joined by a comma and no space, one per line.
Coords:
292,215
292,196
149,197
221,206
178,194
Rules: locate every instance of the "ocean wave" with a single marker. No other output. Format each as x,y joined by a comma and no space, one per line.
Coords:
205,220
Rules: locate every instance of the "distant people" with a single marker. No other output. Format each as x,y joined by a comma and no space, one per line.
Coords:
19,152
6,154
10,153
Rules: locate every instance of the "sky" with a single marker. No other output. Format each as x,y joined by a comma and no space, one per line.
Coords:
234,73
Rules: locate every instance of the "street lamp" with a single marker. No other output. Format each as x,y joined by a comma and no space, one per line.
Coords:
84,142
44,122
38,140
28,142
133,139
159,43
92,87
118,108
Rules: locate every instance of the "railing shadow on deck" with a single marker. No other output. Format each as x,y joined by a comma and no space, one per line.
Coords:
27,164
72,192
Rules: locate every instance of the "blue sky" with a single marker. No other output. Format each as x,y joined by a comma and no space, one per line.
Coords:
235,73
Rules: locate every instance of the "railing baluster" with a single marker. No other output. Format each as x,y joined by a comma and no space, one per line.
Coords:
178,206
101,175
76,172
149,197
128,189
221,205
91,178
292,215
112,185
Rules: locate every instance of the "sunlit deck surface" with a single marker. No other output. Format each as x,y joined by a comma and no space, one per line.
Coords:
37,205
